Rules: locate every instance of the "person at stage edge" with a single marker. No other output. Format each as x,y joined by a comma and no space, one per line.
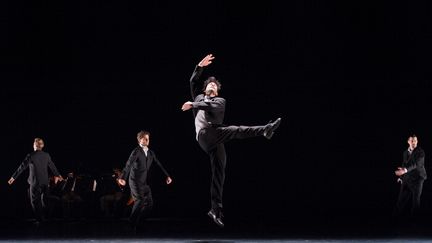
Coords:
411,175
38,163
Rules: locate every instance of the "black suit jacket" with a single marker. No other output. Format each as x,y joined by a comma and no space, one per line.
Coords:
38,163
214,107
138,165
414,164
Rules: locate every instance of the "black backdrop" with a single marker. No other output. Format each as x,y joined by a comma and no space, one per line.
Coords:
350,80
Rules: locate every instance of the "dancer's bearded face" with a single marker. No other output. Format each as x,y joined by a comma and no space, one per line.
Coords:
412,141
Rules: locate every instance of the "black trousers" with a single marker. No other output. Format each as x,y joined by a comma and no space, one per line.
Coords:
38,195
409,195
143,201
211,140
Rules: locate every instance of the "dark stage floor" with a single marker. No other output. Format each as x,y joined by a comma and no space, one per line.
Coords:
203,230
165,240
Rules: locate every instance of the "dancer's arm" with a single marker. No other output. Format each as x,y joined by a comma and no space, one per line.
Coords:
216,104
416,161
20,169
168,178
207,60
125,173
53,168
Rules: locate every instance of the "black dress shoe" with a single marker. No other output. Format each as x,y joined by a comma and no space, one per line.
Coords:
217,217
271,127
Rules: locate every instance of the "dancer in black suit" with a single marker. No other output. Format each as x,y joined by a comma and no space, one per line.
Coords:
38,163
412,174
136,170
209,110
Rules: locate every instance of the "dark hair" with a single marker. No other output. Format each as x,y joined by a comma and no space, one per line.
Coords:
212,80
141,134
412,135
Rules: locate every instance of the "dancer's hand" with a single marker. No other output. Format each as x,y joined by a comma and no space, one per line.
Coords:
186,106
11,180
57,179
207,60
400,171
121,182
168,180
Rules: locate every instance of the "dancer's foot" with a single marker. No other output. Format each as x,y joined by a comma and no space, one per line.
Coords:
217,216
271,127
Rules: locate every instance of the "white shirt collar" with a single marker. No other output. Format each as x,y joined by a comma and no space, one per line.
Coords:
145,149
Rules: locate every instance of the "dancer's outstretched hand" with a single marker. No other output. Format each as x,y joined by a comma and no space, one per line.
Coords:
11,180
168,180
186,106
207,60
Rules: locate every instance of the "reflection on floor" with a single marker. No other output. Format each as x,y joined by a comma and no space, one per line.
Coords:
202,230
